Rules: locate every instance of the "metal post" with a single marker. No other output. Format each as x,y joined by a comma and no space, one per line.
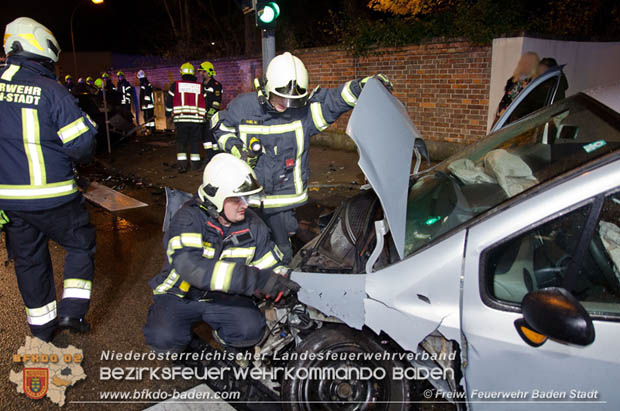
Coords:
269,47
73,41
105,113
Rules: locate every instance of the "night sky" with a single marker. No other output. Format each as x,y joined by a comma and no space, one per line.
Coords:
122,26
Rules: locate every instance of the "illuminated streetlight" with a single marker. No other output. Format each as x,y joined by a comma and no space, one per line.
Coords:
72,38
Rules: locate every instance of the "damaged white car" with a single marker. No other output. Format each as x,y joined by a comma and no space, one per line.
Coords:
494,275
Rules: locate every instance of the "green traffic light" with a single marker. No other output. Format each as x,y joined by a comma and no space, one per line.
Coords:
269,13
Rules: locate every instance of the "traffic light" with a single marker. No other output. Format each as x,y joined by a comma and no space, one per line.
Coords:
267,13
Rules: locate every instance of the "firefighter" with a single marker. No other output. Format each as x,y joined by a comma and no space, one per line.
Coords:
80,87
186,104
90,86
108,90
213,97
147,102
220,255
43,133
282,115
69,82
125,93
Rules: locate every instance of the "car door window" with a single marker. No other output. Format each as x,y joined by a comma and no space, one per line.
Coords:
564,253
536,99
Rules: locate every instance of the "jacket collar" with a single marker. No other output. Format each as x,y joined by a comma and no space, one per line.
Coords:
32,65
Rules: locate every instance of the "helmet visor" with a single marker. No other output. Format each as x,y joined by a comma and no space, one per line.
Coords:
249,186
287,102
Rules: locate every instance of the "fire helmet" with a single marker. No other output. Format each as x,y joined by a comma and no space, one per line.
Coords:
287,81
227,176
26,37
208,67
187,68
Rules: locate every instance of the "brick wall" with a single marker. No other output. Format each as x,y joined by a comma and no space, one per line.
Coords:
444,85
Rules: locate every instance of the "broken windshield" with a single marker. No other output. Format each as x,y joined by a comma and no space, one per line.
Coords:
508,162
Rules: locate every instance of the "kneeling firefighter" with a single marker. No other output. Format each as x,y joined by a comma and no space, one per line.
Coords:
220,256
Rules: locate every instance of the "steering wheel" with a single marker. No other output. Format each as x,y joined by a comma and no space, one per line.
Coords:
604,263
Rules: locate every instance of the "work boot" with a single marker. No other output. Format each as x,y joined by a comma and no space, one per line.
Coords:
196,165
78,325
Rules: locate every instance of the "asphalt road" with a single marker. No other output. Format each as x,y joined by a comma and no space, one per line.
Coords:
129,254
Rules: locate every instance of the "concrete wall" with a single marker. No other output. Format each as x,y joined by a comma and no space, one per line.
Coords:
588,64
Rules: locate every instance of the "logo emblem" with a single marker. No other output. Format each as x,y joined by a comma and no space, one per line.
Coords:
36,382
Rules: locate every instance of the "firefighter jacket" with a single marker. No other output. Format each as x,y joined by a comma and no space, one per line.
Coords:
147,102
213,96
283,167
186,101
203,256
43,132
125,91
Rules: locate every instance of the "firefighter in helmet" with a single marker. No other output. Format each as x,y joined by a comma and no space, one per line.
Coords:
213,96
147,101
220,257
43,133
186,104
282,114
125,93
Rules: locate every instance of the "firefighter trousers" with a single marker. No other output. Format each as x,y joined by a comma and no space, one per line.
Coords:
149,118
28,233
283,225
208,142
236,318
188,134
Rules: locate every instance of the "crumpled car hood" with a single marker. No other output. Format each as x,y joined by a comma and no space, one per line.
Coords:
384,134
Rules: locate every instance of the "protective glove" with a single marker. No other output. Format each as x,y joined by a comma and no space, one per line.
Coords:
252,160
382,78
272,285
3,219
242,153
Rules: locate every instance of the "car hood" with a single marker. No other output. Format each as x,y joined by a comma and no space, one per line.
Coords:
384,134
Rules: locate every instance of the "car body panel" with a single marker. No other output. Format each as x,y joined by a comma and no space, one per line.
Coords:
493,342
410,287
385,148
338,295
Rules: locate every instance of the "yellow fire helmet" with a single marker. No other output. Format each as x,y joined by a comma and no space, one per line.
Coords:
187,68
208,67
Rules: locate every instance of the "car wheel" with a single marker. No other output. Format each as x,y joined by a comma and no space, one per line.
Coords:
324,349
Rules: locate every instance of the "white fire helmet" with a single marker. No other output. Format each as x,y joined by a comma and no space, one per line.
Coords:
26,37
227,176
287,81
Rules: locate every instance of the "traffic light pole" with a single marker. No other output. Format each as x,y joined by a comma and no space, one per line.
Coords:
268,46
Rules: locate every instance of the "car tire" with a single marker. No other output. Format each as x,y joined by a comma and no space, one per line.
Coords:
304,394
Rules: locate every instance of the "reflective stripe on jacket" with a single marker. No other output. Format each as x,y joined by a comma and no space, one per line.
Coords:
197,244
283,167
43,132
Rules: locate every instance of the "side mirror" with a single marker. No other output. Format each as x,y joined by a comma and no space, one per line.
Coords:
554,313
